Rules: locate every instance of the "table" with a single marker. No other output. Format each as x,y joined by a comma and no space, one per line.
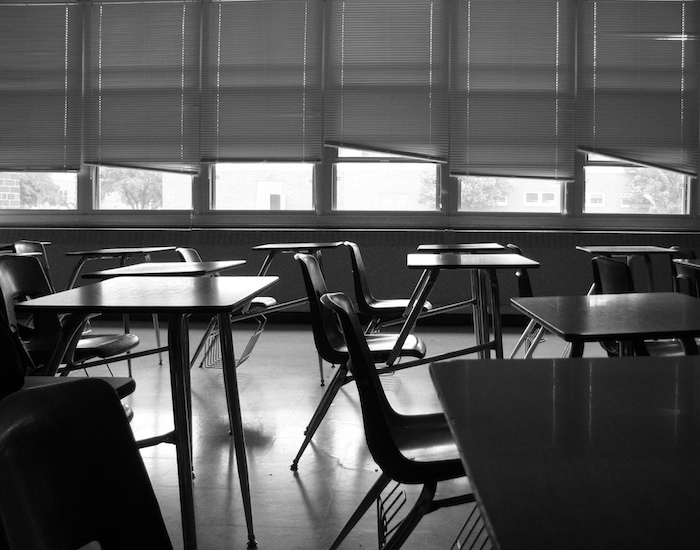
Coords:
484,283
178,297
273,249
622,317
629,252
462,247
166,269
122,254
579,453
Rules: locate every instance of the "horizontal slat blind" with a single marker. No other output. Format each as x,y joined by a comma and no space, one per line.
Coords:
262,80
512,108
387,76
639,82
142,84
40,80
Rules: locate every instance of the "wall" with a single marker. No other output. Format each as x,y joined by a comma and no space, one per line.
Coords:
564,270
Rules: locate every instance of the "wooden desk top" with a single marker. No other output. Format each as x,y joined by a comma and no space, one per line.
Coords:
626,250
155,295
615,316
448,260
117,252
579,453
297,247
166,269
461,247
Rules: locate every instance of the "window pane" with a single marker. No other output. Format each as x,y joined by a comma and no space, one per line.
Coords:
131,189
38,190
263,186
635,190
493,194
345,152
386,186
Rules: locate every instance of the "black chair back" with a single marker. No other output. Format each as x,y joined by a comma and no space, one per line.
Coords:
71,473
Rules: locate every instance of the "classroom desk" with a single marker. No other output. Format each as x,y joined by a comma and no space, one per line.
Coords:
177,297
629,252
579,453
467,248
123,254
484,283
621,317
166,269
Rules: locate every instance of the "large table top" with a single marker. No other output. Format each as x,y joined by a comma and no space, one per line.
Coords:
297,247
461,247
615,316
155,295
579,453
448,260
166,269
626,250
121,251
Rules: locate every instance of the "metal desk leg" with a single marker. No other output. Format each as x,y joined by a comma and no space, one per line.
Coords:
413,310
234,410
178,351
496,313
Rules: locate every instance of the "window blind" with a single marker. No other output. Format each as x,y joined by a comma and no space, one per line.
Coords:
40,101
142,84
387,76
512,102
639,82
261,92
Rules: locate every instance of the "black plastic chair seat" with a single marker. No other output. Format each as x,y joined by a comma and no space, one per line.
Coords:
262,302
105,345
393,308
380,346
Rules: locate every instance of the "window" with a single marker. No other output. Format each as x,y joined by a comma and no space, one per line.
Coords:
263,186
633,189
132,189
369,181
38,190
494,194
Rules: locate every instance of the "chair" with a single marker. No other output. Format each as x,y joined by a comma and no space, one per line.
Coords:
22,277
71,473
16,364
611,276
379,311
210,341
409,449
35,247
681,276
331,346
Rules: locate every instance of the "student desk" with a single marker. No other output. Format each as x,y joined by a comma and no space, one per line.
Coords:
622,317
578,453
482,269
176,297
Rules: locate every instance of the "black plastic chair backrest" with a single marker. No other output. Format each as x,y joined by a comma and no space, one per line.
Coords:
22,278
363,294
28,247
71,472
14,360
679,254
327,335
382,423
522,275
188,254
687,280
611,276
